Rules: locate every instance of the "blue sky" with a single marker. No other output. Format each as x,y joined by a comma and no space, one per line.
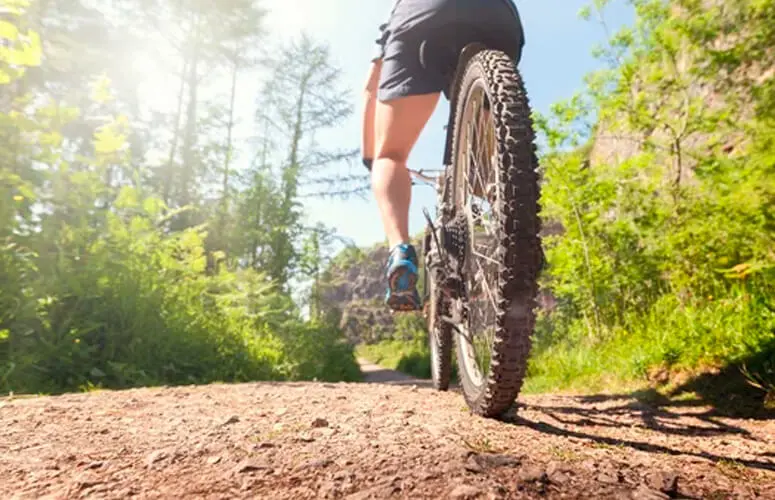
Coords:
557,55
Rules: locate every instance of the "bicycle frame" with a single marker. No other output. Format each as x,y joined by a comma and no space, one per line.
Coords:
418,174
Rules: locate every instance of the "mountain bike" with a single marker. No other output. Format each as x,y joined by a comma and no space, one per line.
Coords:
482,251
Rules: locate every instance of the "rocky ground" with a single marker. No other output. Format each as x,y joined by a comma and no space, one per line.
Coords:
395,438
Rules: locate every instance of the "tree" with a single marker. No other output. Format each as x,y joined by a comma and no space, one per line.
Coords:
300,98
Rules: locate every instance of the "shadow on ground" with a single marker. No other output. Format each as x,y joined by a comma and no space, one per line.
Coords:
703,407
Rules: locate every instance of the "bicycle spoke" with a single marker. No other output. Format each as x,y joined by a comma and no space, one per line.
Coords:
489,259
474,188
487,288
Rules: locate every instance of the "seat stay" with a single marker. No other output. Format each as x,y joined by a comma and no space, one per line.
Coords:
452,93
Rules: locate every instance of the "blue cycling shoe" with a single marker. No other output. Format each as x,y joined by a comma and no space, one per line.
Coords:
401,274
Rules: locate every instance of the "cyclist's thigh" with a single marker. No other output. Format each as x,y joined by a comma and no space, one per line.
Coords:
399,122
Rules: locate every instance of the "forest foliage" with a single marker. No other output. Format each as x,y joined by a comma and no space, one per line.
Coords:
661,176
142,245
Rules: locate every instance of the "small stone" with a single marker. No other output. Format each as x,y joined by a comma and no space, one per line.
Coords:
306,438
379,491
666,482
266,445
319,423
559,478
213,460
465,492
557,473
95,465
249,466
86,484
315,464
645,493
328,432
472,465
533,474
156,456
492,460
231,420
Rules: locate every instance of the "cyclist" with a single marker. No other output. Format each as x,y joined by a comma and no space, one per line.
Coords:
400,97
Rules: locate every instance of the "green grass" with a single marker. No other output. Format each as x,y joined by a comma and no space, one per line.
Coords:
673,341
699,352
719,346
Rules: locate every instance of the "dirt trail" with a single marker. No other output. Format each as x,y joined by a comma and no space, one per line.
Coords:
393,439
375,374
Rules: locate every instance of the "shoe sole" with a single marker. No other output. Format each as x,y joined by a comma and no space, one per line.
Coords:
403,301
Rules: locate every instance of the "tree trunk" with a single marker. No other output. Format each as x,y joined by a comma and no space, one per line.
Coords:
190,166
290,184
229,134
168,174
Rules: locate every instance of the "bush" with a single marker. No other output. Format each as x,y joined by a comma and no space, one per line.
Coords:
101,283
665,257
132,306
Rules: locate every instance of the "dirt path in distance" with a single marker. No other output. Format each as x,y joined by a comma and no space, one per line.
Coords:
375,374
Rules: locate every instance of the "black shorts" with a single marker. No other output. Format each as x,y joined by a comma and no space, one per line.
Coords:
451,24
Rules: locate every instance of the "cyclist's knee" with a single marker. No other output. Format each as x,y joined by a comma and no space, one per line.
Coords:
395,147
400,157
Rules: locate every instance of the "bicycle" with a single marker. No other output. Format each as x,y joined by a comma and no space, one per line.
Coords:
488,202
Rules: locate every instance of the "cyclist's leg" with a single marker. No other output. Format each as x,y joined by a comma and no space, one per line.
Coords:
398,124
407,95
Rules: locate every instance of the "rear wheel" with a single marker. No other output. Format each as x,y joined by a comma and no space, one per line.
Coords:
495,192
439,337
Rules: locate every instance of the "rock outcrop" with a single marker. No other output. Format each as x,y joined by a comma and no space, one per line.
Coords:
354,288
